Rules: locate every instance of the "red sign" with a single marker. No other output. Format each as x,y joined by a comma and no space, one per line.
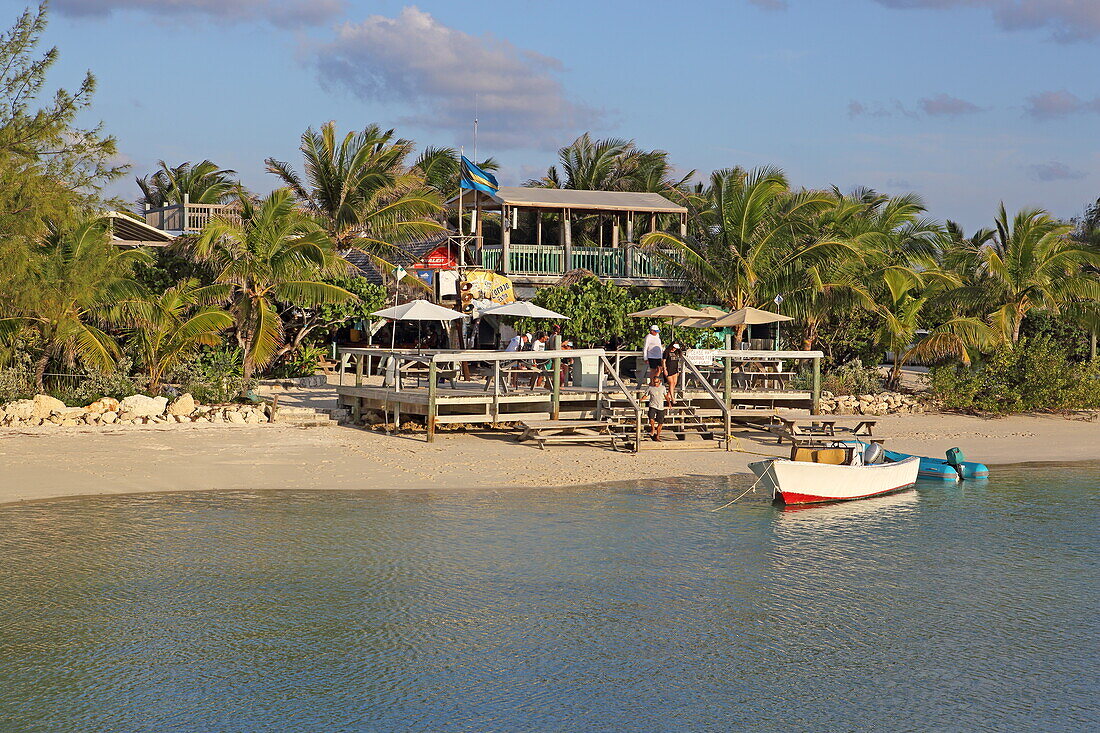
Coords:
440,258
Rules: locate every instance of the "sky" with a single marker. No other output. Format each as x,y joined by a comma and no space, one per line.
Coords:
968,103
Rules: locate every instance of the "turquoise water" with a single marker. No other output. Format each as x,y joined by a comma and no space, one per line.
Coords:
625,608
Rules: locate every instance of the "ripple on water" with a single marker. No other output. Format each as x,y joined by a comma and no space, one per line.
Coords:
630,607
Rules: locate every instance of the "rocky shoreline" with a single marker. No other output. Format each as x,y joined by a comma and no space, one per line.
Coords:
44,410
883,403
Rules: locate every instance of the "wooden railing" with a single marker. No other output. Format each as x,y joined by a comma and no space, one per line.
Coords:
534,259
187,217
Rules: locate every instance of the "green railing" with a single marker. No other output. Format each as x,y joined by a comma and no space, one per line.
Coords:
533,259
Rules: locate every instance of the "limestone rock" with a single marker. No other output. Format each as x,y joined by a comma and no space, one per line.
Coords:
142,406
69,413
108,417
44,405
182,405
235,417
103,404
20,410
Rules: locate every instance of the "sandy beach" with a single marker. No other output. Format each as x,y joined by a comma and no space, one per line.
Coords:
46,463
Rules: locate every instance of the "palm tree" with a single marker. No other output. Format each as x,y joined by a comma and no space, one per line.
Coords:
168,327
612,164
748,237
75,284
1029,263
274,256
360,191
202,183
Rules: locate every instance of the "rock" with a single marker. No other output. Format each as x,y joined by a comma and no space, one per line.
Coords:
235,417
20,410
182,405
108,417
103,404
70,413
70,423
44,405
142,406
253,419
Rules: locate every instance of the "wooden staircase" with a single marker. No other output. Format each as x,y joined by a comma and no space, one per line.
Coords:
684,427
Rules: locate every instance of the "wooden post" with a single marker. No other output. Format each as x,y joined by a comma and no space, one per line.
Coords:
555,381
638,428
505,240
433,388
815,407
683,226
186,202
496,391
615,231
630,226
538,226
567,238
358,370
727,376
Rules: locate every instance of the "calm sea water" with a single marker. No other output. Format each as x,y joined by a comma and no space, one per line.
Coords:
627,608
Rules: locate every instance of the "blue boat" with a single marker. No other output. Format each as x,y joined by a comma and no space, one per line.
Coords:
944,469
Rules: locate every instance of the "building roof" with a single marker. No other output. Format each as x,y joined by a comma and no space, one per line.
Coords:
565,198
127,231
407,254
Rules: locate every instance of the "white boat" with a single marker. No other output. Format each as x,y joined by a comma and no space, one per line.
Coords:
837,473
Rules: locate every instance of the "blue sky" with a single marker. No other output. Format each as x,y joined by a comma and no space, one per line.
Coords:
966,102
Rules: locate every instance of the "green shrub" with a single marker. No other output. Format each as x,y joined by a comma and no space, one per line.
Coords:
302,363
1037,374
847,379
213,375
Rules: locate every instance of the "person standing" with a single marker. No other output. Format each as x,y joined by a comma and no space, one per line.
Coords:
658,393
653,350
672,370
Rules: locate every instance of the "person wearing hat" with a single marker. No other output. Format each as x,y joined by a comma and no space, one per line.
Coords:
653,351
519,342
672,370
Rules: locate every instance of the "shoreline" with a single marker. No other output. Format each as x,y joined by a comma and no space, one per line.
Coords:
52,463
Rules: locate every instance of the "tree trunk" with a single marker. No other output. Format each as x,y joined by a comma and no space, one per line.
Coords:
40,372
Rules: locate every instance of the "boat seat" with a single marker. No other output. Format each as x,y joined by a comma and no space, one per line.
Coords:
831,456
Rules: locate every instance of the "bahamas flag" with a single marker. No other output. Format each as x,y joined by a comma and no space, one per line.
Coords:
477,179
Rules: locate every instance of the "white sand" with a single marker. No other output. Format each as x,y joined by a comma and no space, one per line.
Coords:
43,463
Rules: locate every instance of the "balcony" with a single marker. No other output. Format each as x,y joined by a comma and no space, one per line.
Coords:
188,218
537,260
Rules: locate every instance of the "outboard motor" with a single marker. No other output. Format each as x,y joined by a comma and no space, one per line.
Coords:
955,459
873,454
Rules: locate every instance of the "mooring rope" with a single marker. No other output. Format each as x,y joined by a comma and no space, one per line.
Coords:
746,491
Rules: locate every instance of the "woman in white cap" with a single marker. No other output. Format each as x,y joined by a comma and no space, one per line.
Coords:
653,351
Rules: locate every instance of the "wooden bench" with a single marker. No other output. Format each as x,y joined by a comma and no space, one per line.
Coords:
790,430
567,431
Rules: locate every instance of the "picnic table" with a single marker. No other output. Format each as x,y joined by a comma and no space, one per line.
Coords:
567,431
419,369
822,430
513,373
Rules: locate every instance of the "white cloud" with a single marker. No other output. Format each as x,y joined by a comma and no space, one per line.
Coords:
1068,20
1053,171
1054,104
447,74
283,13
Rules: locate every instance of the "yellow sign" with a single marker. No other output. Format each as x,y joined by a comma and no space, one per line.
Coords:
486,285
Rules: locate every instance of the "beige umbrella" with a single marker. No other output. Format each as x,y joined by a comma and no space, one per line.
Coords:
712,315
749,317
671,310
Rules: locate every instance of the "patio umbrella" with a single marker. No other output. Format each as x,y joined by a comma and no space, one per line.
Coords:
419,311
712,315
523,309
749,317
669,312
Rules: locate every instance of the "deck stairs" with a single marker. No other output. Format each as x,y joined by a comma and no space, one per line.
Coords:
683,427
310,417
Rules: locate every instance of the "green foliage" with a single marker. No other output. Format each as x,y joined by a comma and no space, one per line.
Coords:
1035,375
598,311
851,378
370,298
50,169
1059,329
214,375
849,337
202,183
84,390
302,362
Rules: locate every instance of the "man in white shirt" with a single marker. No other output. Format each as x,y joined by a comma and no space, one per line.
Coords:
518,342
653,351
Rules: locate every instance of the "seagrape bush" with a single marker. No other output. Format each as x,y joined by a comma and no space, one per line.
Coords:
1036,375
